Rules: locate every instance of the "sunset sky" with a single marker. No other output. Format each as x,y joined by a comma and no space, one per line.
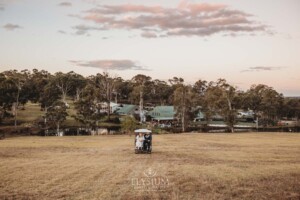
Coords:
245,42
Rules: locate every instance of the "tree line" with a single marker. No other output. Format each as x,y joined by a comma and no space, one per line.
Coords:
211,98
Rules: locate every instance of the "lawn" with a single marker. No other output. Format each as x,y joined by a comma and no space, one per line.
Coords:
33,113
196,166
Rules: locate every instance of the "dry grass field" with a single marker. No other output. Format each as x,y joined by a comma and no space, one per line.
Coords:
197,166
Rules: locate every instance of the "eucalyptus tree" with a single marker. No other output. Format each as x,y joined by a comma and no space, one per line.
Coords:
79,85
141,84
108,83
49,95
272,103
65,83
175,82
291,108
160,92
264,101
121,89
7,96
36,84
124,89
221,98
200,88
105,85
88,107
57,114
18,79
184,101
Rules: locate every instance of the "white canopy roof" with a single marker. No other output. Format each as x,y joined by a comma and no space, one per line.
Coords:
142,131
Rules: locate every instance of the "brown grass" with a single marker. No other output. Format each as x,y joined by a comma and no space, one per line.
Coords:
198,166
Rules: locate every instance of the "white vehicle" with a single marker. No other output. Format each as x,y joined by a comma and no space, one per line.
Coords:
143,141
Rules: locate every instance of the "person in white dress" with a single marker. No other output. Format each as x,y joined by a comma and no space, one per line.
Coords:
139,140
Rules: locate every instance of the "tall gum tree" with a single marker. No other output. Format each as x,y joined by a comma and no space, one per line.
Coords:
19,79
57,114
220,98
184,100
65,82
264,101
140,82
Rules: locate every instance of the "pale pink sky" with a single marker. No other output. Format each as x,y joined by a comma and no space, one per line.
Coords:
246,42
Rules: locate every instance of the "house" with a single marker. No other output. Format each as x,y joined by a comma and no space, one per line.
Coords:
104,107
245,114
199,117
162,113
126,109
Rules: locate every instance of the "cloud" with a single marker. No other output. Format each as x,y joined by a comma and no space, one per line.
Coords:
61,32
11,27
4,3
9,1
149,34
110,64
83,29
262,68
65,4
187,19
92,1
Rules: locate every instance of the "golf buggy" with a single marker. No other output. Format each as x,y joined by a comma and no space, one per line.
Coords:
143,141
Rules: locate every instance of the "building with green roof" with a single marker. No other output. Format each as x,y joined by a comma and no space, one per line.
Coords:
162,113
127,109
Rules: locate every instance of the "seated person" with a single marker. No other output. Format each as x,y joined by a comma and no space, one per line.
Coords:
147,140
139,141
